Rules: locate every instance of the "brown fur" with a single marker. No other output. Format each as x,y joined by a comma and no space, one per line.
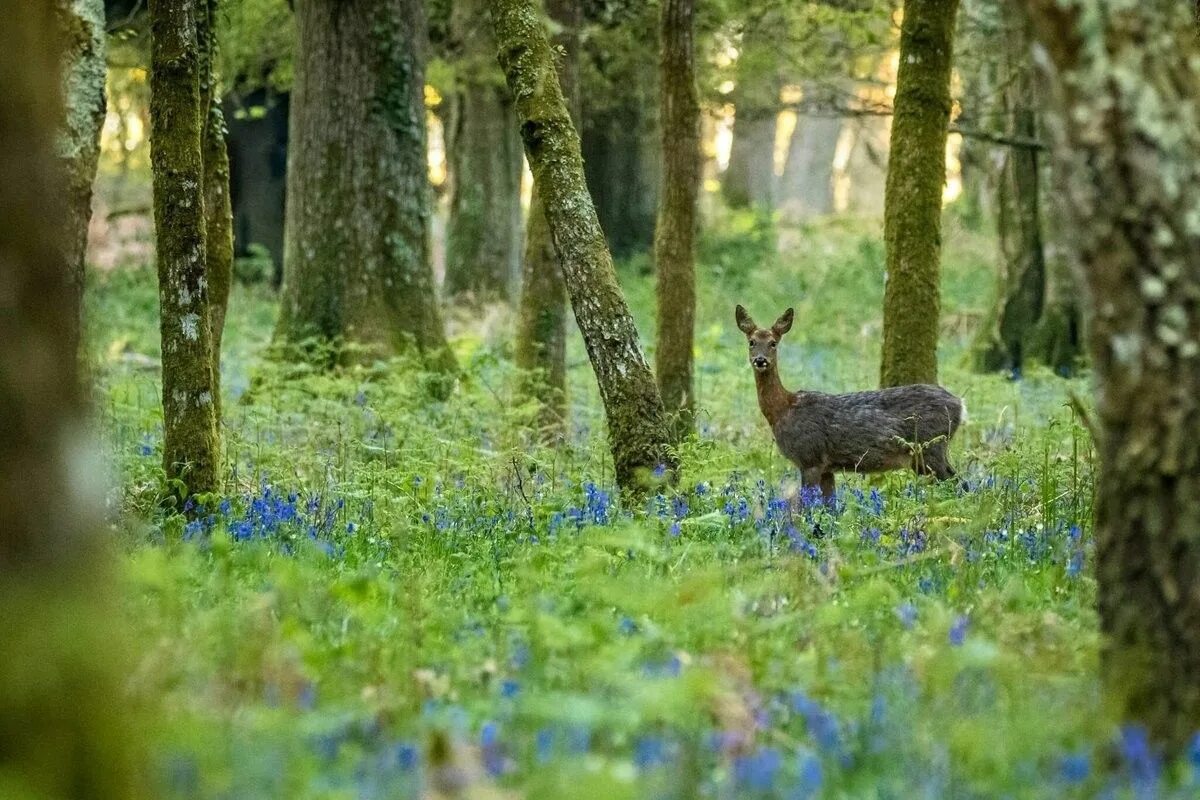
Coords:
874,431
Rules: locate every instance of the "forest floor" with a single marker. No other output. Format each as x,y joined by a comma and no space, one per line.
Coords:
398,596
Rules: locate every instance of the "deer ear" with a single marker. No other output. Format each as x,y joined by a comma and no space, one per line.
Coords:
744,323
784,323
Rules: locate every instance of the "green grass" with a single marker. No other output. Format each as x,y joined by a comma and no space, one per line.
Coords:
396,593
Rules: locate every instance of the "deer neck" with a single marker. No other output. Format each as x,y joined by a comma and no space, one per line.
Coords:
773,399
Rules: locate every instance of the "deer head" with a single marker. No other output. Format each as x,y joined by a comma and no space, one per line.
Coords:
763,341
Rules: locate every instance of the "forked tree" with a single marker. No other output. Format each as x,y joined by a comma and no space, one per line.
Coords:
1122,115
541,345
912,227
63,725
675,233
637,428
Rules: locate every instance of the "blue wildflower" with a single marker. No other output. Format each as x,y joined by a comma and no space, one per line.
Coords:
810,777
958,630
1143,763
649,751
907,614
510,688
490,749
1075,767
544,745
758,770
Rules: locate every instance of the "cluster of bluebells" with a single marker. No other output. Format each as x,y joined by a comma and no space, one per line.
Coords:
270,515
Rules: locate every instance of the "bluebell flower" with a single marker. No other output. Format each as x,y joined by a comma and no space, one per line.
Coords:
907,614
544,745
626,626
810,777
490,749
1142,761
758,770
1075,564
509,688
405,756
958,630
674,529
1075,767
649,751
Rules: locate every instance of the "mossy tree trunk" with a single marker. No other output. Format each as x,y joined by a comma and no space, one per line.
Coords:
916,176
749,177
806,187
81,29
541,348
483,233
675,231
63,725
218,211
1125,134
191,444
637,427
356,255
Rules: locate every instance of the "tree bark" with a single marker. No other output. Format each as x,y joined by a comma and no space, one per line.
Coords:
1122,119
749,179
541,349
675,231
218,211
916,176
191,444
806,187
483,233
356,256
636,424
63,726
81,28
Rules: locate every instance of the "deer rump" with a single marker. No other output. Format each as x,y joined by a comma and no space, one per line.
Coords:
871,431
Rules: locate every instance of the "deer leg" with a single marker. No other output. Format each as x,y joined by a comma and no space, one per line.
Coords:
828,488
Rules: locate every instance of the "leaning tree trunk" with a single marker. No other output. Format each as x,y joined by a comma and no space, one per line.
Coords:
675,232
749,178
218,210
806,187
636,424
483,233
1125,132
541,348
191,444
912,227
356,256
63,726
81,25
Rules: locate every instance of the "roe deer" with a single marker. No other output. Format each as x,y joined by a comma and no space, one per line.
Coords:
905,426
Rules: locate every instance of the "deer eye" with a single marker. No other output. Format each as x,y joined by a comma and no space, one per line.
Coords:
772,344
751,341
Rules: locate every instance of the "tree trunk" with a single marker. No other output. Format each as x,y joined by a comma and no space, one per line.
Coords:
1125,133
636,424
191,445
916,177
675,232
356,257
621,163
218,213
541,349
483,233
749,179
81,24
806,188
63,731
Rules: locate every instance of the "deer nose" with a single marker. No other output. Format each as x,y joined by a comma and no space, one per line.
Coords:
759,361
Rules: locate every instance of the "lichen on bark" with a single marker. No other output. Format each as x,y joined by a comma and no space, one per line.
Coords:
191,443
1125,133
356,255
82,37
675,231
915,179
637,428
